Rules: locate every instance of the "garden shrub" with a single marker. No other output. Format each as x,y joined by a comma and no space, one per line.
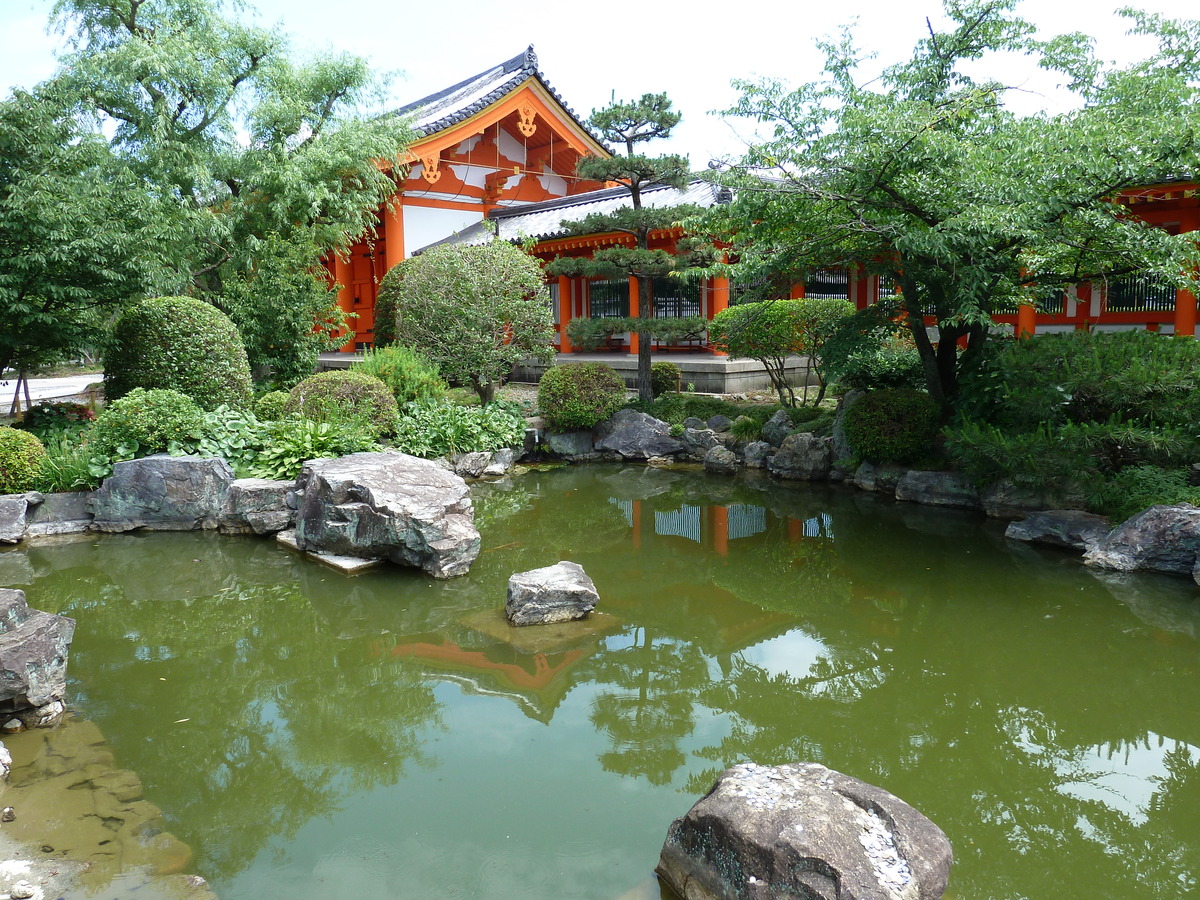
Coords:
892,425
48,420
872,351
346,398
178,343
269,406
674,408
430,429
579,395
408,374
384,328
144,422
1126,493
664,377
21,458
294,440
235,435
67,466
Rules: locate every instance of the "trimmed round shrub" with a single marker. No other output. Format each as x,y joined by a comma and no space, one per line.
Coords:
345,398
664,377
269,406
895,425
145,422
21,459
579,395
182,344
408,374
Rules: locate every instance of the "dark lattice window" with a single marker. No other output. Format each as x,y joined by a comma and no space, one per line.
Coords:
674,299
1140,293
831,284
609,298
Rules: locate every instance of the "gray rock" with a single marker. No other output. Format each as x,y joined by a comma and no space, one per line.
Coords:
387,506
558,593
698,441
841,445
1160,539
694,422
803,456
65,513
777,428
162,493
13,508
721,461
636,435
756,454
470,465
257,506
570,444
938,489
1006,500
33,658
879,478
802,830
719,423
502,461
1069,528
8,813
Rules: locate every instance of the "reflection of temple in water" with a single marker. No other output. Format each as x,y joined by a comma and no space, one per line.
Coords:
713,526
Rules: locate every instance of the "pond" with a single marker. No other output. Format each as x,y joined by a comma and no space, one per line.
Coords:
387,735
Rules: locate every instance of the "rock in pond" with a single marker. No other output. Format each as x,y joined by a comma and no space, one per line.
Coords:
802,456
938,489
33,660
387,506
1068,528
778,427
1159,539
636,435
257,506
558,593
803,830
162,493
721,461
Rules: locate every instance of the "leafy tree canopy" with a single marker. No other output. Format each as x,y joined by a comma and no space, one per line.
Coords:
924,173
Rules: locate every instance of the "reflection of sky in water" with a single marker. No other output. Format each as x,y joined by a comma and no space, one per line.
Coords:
792,654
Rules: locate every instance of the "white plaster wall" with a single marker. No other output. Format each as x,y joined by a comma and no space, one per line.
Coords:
423,225
555,184
511,147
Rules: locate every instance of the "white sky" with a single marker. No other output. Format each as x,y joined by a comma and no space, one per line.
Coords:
689,50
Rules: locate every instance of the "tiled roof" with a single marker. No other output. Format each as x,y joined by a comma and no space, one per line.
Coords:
545,220
448,107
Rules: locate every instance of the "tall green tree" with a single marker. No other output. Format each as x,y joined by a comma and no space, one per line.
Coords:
924,173
261,163
631,125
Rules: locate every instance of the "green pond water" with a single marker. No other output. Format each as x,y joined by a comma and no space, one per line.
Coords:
387,736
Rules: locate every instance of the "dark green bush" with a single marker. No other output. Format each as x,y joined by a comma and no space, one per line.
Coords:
664,377
408,374
579,395
145,422
892,425
871,351
384,327
181,344
1126,493
348,398
674,408
269,406
61,417
21,458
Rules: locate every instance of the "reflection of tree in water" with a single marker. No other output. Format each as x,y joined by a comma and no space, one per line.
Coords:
652,708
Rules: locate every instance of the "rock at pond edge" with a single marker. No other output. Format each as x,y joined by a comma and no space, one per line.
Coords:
558,593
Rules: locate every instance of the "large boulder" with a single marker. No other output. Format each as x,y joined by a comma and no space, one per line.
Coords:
257,506
879,477
841,443
803,456
558,593
636,435
65,513
938,489
162,493
1068,528
1007,500
387,506
1161,539
777,428
803,830
721,461
13,508
698,441
757,454
33,660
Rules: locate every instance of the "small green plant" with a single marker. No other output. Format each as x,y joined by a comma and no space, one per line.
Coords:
664,377
579,395
47,420
746,428
67,466
430,429
408,374
691,387
232,434
1128,492
294,440
21,459
677,430
269,406
893,425
345,398
141,423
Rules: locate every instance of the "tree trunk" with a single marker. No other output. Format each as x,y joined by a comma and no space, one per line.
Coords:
645,388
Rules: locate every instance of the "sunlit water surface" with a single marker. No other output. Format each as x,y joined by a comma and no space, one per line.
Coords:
388,736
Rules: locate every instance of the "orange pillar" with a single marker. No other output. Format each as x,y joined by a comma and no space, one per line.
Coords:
1026,320
345,299
720,527
633,313
1083,301
718,302
564,313
1185,313
393,236
797,291
795,530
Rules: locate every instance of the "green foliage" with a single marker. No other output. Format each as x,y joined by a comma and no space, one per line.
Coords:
232,434
677,430
893,425
408,374
57,418
474,311
293,441
579,395
348,398
1126,493
675,408
21,459
430,429
591,334
269,406
385,321
923,173
746,428
67,466
142,423
871,351
664,376
178,343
